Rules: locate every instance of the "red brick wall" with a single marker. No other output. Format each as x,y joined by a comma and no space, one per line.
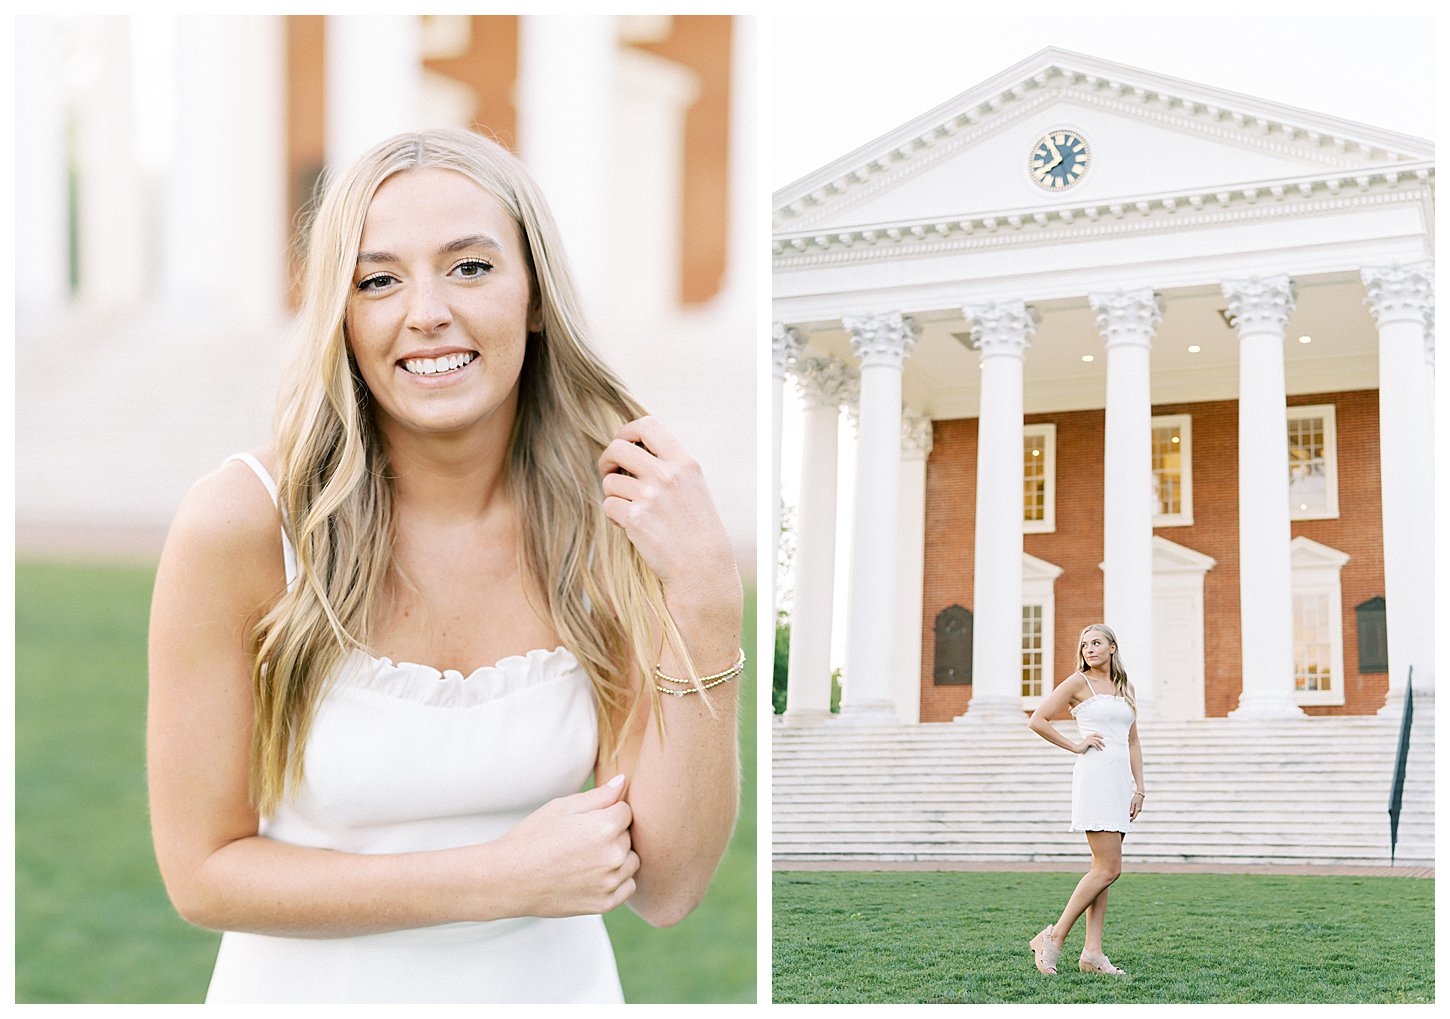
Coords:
1077,543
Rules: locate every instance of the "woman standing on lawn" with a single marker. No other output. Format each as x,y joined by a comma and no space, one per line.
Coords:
1107,786
458,480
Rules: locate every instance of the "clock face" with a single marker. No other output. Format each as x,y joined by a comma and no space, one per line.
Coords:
1059,160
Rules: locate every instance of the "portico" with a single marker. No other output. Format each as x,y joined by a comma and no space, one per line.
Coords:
1184,346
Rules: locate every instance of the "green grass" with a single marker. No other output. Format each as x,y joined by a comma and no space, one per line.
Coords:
92,921
962,937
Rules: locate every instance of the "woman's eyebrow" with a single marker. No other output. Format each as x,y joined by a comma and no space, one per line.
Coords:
463,243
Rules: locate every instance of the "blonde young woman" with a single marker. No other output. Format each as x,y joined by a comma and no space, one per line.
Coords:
388,651
1107,786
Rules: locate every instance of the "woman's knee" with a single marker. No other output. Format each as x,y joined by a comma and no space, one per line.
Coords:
1107,871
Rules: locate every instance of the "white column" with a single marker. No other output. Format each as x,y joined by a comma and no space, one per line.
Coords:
910,562
565,134
1259,309
821,382
374,77
1400,297
230,77
1001,332
42,275
882,342
111,198
786,344
1127,322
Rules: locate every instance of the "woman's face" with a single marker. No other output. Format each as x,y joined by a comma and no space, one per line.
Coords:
441,305
1096,649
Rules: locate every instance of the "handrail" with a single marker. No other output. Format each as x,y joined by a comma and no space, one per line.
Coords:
1397,790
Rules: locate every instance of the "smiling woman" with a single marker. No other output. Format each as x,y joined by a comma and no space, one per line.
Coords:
456,480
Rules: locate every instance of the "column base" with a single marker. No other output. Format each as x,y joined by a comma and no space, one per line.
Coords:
869,713
1255,709
806,716
995,711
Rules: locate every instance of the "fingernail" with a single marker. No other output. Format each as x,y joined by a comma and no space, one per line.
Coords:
615,782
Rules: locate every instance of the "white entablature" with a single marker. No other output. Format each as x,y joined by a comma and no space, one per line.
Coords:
971,153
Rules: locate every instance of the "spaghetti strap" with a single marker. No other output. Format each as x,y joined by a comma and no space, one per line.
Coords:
1089,681
289,557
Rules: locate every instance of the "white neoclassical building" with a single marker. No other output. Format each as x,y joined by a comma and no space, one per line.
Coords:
1111,346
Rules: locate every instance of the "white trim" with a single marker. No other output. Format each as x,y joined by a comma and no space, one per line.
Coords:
1316,571
1184,423
1038,578
1048,523
1325,411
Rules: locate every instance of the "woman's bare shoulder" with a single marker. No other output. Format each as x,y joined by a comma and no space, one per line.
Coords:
228,523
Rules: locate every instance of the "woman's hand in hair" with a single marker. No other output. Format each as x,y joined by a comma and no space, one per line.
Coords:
572,856
656,491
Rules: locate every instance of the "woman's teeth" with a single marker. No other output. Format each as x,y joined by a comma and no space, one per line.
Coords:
438,365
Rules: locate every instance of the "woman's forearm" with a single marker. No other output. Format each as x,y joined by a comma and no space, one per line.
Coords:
1135,759
1040,725
685,791
263,886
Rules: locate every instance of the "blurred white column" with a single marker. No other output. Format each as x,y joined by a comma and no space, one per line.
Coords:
1259,310
786,345
42,262
882,342
1001,332
110,200
822,383
374,80
1401,300
1127,322
910,564
227,183
565,99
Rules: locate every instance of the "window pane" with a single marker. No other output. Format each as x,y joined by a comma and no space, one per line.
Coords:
1031,650
1034,477
1311,642
1308,469
1168,469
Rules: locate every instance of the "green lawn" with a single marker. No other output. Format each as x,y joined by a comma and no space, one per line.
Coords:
92,921
962,937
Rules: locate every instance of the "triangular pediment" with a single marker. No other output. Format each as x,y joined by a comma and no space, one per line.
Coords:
1147,134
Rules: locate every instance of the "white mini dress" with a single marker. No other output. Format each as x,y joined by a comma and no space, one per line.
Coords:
404,758
1102,780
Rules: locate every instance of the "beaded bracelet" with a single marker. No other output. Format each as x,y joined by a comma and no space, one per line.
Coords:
705,682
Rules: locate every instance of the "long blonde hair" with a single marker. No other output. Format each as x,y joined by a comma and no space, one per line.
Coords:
337,500
1116,672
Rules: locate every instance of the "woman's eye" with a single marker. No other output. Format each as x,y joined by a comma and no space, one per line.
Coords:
473,268
377,282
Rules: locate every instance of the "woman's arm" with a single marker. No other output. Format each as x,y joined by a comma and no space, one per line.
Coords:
1135,761
221,566
1055,703
685,790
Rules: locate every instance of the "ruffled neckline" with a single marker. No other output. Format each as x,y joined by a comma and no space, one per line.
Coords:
449,687
1089,700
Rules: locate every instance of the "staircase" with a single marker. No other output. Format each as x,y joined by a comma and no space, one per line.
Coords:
1304,791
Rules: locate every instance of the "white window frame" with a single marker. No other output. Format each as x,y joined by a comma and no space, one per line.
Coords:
1184,423
1315,570
1325,411
1048,435
1038,577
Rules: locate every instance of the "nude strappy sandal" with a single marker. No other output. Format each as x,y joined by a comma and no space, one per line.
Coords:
1045,953
1099,964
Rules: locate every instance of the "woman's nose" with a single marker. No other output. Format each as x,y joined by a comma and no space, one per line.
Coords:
428,312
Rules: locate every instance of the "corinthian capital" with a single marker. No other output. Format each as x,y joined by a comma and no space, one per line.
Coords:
883,339
1400,293
1127,316
1003,328
824,381
1260,305
786,343
915,436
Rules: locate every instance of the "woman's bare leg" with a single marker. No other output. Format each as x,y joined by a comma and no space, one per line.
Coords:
1097,912
1107,849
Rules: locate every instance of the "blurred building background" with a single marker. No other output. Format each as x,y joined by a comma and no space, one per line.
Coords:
161,165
